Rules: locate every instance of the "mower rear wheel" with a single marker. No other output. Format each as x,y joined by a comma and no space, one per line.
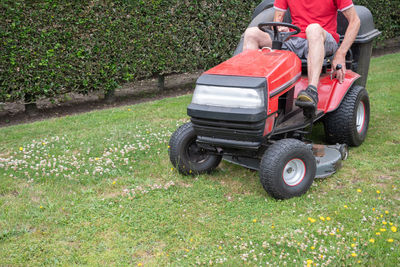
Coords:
287,169
349,123
187,156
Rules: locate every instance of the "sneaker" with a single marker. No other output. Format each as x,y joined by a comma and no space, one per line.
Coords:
308,97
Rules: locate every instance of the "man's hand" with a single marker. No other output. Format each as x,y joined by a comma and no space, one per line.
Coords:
339,59
283,29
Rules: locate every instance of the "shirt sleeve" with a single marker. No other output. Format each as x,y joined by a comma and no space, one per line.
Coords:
342,5
281,5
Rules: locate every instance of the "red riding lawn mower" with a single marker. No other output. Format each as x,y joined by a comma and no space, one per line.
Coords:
243,111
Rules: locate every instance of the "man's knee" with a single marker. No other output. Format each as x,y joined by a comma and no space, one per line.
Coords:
252,33
315,32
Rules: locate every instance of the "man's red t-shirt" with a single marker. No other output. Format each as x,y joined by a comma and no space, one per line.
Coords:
306,12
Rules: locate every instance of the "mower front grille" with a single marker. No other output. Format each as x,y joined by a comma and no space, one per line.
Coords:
239,131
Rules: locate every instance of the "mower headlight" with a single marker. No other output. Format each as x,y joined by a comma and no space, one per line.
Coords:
231,97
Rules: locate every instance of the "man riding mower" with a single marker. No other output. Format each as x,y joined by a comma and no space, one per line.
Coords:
249,109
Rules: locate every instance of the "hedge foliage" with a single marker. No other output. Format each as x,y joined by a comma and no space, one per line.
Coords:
51,47
386,14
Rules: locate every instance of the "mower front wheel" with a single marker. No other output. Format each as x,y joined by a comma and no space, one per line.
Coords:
287,169
187,156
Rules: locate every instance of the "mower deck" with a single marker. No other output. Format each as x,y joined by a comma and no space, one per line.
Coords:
327,164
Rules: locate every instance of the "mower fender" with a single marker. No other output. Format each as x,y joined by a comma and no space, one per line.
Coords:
330,91
338,90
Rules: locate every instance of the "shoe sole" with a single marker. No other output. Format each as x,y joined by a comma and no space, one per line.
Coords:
305,98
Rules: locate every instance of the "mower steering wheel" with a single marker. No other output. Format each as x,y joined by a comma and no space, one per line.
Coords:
279,36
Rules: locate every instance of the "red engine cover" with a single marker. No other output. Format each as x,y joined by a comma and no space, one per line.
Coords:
279,67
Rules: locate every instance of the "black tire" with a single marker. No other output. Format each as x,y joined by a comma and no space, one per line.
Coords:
187,156
287,169
341,125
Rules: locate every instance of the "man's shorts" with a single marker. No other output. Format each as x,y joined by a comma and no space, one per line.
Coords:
300,46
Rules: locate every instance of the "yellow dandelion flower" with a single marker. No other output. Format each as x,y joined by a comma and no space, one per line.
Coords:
43,143
21,148
312,247
386,212
378,192
345,206
273,226
96,159
377,233
381,215
354,239
41,207
129,109
390,223
219,247
390,240
358,261
172,169
309,261
254,220
169,147
394,229
328,218
114,182
140,264
322,218
373,209
372,240
191,239
382,230
353,254
353,245
359,190
379,198
384,223
332,234
311,220
186,250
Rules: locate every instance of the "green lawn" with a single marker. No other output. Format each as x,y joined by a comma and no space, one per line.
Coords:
98,189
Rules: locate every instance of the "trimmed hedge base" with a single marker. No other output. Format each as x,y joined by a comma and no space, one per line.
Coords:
50,47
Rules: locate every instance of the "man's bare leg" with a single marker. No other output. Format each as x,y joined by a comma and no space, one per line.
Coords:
254,39
316,36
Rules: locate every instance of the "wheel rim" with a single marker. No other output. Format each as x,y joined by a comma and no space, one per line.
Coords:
294,172
195,153
360,120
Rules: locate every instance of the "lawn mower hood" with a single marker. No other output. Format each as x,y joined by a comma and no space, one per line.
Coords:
239,88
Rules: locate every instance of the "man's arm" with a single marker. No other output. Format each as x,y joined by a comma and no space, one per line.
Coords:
278,15
349,37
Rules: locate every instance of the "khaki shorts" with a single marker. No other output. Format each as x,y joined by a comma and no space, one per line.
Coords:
300,46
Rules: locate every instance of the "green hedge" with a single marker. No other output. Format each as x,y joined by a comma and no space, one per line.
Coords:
386,15
52,47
